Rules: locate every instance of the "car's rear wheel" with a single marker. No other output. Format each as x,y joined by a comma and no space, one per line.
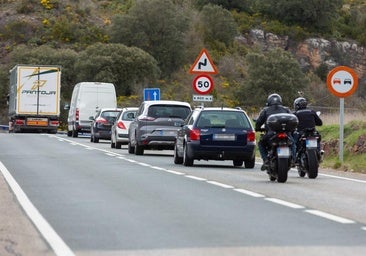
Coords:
139,150
177,158
238,162
131,150
250,163
187,161
118,145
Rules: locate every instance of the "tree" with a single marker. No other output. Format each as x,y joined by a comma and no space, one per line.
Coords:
157,27
318,14
218,25
273,72
239,5
123,66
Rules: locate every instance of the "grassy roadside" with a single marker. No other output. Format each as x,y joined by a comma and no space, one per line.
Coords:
354,146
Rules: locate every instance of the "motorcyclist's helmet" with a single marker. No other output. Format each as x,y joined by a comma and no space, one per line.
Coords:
274,99
300,103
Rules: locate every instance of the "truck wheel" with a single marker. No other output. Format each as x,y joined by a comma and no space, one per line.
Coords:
69,133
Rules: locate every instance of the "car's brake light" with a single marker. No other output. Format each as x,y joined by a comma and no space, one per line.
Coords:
101,120
250,136
146,118
195,134
121,125
77,114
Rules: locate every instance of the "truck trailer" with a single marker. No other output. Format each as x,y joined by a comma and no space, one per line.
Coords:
34,98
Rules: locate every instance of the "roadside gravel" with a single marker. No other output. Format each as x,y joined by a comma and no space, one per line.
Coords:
18,236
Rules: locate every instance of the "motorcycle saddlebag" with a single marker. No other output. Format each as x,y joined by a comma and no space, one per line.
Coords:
282,122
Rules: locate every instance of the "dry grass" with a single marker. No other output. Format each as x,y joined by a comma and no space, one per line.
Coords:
334,118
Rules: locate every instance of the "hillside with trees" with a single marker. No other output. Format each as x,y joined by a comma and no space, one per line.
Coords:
137,44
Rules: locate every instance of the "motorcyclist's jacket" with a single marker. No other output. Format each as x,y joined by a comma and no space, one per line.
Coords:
307,119
266,112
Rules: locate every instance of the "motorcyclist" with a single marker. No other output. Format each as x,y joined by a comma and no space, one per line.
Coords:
273,106
308,119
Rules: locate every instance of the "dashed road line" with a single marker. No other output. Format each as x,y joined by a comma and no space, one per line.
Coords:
243,191
330,217
285,203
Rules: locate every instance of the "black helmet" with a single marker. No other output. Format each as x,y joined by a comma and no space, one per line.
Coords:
274,99
300,103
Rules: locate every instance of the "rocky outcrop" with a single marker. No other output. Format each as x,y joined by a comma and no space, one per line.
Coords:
313,52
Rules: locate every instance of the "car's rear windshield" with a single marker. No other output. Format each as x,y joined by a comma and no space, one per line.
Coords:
129,115
110,114
169,111
223,119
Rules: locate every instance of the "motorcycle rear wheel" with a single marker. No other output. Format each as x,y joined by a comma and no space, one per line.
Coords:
282,169
312,164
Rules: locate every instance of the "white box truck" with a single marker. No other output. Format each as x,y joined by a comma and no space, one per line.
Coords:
87,98
34,98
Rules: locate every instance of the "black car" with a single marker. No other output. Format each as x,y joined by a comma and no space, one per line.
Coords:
216,134
156,125
102,123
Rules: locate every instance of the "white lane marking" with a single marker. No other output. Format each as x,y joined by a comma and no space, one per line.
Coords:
219,184
144,164
342,178
110,154
248,192
48,233
330,216
174,172
285,203
196,178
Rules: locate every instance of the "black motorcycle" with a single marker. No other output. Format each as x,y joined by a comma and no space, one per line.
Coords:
279,146
308,153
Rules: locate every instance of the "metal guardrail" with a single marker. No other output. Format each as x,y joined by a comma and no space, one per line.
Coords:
4,127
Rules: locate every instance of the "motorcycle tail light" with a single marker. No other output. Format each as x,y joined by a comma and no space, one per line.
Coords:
282,135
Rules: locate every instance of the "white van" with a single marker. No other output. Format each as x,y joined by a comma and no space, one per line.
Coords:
87,98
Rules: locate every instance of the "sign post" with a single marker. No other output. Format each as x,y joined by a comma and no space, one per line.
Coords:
342,82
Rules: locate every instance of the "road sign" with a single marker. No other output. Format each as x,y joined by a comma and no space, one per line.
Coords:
203,64
151,94
202,98
342,81
203,84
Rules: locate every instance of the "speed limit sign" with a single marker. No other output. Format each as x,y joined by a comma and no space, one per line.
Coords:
203,84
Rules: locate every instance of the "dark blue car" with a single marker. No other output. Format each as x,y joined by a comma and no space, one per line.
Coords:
216,134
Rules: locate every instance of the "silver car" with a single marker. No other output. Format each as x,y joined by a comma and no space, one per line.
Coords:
156,125
119,130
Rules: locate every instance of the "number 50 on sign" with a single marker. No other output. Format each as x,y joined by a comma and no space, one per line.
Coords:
203,84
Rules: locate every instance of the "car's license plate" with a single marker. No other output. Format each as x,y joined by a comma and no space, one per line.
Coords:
283,152
219,136
168,133
311,143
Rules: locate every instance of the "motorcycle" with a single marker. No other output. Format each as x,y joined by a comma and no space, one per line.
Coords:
279,146
308,153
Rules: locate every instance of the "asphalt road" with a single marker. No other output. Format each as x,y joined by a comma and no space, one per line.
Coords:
94,200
